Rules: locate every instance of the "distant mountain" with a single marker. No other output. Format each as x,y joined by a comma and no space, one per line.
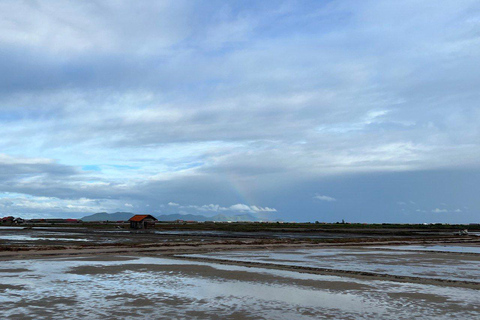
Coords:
124,216
104,216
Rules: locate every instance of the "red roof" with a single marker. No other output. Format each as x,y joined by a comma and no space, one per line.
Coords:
140,217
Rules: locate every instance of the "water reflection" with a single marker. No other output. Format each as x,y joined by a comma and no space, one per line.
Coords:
147,288
402,263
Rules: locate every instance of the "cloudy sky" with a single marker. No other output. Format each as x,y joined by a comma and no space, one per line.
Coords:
367,111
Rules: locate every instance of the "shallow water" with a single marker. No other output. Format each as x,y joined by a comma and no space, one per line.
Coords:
391,262
45,236
439,248
152,288
30,237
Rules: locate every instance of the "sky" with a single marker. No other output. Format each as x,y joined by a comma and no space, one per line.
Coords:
366,111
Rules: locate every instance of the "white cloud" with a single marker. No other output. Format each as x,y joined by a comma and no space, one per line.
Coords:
26,205
437,210
262,209
173,204
129,205
324,198
6,159
244,207
239,207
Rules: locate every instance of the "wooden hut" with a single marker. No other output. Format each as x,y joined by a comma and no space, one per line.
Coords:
142,221
7,220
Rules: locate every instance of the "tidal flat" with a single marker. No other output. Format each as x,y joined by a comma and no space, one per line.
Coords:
67,273
157,287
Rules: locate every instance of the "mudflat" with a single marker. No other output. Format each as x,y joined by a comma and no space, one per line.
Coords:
156,287
232,278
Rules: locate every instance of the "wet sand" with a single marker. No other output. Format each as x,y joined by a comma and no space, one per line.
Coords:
408,266
254,254
248,279
29,238
132,287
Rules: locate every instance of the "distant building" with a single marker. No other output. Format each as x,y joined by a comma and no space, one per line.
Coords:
8,220
142,221
19,220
